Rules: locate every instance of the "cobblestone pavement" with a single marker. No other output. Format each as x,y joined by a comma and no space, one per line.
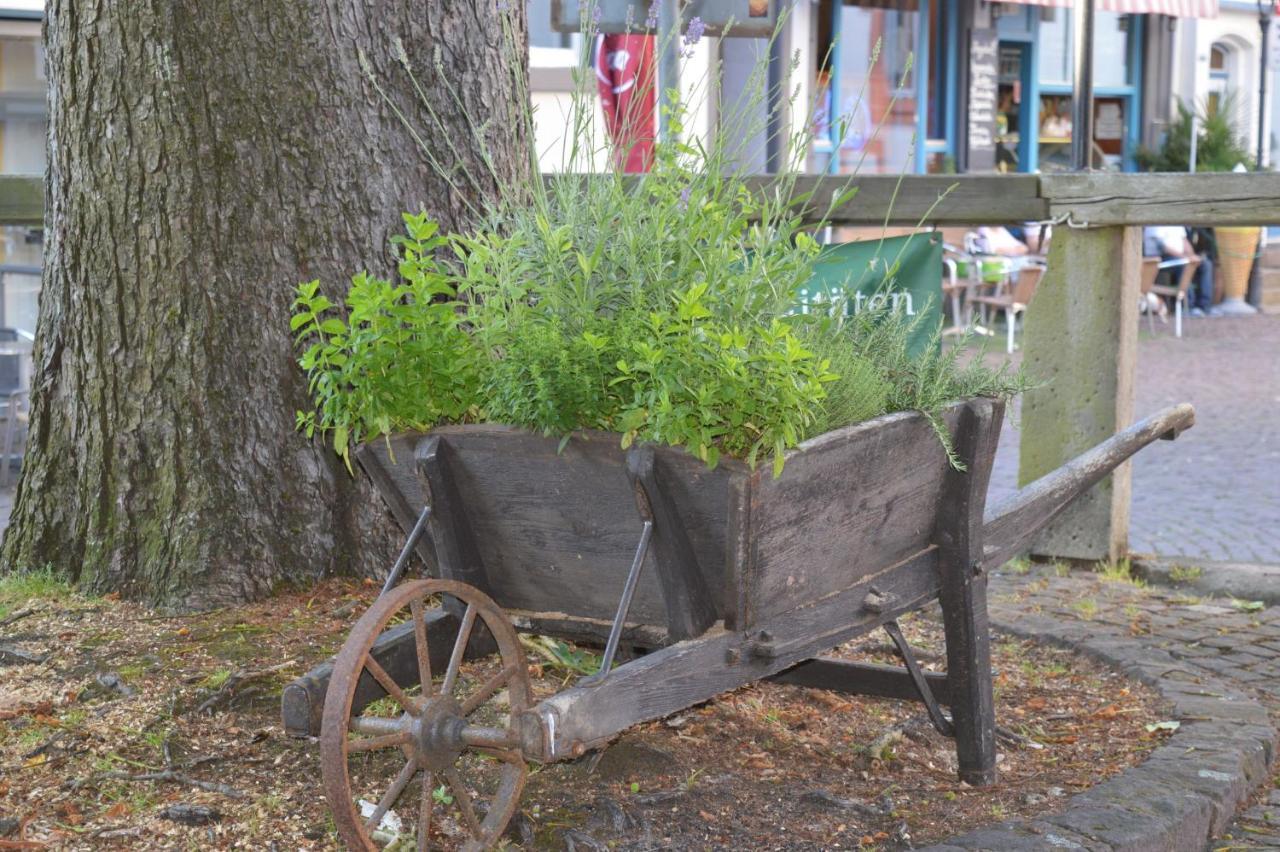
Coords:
1215,492
1212,636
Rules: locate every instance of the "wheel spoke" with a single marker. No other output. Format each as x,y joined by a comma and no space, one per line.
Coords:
459,648
375,743
388,683
485,692
397,787
424,810
463,798
506,755
420,644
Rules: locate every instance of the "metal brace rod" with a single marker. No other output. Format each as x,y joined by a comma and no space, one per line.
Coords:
410,543
940,721
624,606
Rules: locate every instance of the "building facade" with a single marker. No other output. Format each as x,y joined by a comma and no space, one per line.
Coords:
22,151
987,86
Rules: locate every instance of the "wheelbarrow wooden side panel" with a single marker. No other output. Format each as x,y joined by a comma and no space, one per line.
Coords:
553,529
848,503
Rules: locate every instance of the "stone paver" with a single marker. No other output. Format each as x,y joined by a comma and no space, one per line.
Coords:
1221,663
1215,492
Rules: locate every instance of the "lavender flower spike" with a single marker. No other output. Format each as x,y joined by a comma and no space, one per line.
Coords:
684,199
694,34
651,20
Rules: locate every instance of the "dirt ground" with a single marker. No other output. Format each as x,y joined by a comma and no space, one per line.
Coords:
122,728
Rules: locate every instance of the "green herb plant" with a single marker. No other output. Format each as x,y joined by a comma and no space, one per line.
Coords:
660,307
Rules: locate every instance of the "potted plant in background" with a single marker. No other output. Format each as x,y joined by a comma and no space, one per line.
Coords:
1219,148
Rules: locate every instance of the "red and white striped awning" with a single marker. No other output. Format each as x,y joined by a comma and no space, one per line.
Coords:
1176,8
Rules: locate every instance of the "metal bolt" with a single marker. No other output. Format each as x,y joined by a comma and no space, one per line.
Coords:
732,656
765,636
978,568
579,749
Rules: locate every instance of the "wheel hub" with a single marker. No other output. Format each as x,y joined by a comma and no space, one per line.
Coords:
437,734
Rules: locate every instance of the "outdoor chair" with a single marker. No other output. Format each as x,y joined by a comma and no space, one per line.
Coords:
1148,302
1187,268
953,290
1015,301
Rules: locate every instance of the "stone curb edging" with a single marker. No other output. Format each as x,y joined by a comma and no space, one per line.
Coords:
1184,794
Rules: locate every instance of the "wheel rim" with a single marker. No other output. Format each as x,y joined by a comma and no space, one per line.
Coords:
454,745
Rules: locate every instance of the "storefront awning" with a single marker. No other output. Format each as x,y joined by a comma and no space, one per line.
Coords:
1176,8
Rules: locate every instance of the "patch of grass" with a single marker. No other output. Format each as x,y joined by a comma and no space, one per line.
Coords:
20,588
216,679
561,655
1186,600
132,672
1062,569
1020,566
73,718
384,708
1119,571
1131,611
1185,573
1086,608
1248,606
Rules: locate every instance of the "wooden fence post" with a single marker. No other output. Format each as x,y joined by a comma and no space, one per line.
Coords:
1081,341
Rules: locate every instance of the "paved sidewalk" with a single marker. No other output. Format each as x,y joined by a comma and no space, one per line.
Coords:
1215,492
1206,637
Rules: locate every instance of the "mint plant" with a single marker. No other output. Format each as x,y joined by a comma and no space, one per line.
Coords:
658,306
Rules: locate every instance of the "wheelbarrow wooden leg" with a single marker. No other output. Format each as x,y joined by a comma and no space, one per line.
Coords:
963,595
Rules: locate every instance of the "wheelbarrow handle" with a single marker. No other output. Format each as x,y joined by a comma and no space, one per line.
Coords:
1012,522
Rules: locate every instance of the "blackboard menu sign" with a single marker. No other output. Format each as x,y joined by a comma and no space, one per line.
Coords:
984,71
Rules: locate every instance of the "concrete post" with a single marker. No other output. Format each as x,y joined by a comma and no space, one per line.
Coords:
1081,341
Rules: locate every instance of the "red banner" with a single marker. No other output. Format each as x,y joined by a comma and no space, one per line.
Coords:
625,78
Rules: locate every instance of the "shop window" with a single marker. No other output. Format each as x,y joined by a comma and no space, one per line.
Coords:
1222,66
874,102
541,33
1111,53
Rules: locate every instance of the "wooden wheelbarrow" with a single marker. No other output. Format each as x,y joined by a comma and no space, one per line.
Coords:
706,579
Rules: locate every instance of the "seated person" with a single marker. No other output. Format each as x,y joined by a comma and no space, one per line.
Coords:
1170,242
999,240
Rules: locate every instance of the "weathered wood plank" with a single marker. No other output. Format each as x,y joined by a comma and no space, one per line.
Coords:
22,200
1215,199
556,529
695,670
927,199
405,514
684,590
1013,523
847,504
1100,199
963,592
457,555
1081,342
857,678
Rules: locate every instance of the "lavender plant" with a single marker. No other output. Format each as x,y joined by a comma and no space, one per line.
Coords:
657,306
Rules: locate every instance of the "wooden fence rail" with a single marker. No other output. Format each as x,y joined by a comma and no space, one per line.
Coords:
1081,329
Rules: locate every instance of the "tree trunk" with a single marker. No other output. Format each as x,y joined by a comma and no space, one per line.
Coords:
204,157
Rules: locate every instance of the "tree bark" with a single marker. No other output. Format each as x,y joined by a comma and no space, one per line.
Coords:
204,157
